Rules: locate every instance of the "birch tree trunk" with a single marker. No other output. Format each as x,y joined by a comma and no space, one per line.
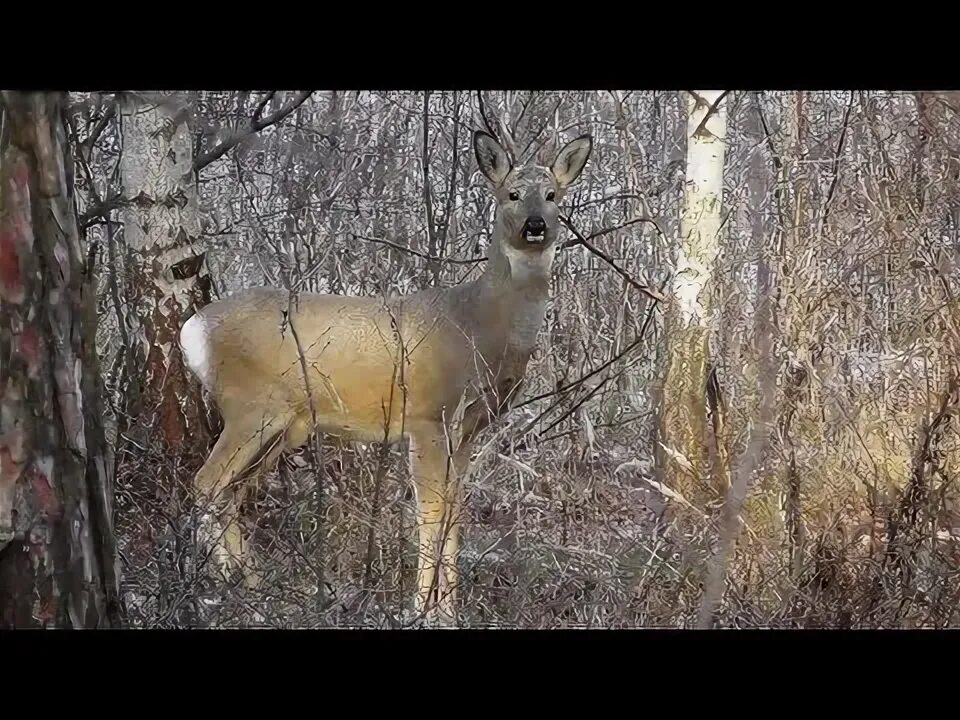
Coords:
683,451
57,549
167,280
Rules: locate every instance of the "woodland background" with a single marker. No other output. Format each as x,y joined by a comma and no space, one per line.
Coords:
786,458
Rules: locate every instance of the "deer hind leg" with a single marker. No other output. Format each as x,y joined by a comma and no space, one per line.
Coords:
244,450
437,482
451,571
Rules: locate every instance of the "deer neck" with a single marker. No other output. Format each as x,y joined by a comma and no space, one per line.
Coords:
516,286
518,271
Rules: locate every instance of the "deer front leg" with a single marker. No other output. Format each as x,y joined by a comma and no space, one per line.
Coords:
437,482
451,549
242,451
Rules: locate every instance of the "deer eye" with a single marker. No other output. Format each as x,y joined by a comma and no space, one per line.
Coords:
551,195
514,195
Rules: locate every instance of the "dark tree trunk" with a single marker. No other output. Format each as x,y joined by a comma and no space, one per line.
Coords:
57,548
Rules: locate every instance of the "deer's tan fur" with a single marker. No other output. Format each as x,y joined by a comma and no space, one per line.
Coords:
434,366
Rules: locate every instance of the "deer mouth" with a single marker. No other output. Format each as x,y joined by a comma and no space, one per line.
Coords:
532,239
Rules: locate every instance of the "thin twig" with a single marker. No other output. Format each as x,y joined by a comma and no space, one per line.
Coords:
760,435
835,169
581,401
452,184
418,253
427,187
576,383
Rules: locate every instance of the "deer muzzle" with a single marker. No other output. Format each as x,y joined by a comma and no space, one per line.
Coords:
534,230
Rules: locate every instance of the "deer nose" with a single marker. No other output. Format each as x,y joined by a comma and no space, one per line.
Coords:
535,226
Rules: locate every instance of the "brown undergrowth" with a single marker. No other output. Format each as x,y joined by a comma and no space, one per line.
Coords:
560,537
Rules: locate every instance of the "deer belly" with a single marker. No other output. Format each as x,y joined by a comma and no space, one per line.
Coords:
356,406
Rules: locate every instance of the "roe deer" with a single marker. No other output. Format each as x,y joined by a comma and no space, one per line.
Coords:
433,367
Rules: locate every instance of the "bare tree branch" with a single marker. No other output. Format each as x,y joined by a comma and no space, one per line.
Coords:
585,241
263,105
427,185
256,125
835,168
87,145
713,108
483,114
452,183
562,390
99,210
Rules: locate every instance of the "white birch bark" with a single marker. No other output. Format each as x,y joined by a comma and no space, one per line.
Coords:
161,227
684,450
700,219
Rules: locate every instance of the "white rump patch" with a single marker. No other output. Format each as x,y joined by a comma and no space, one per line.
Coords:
195,343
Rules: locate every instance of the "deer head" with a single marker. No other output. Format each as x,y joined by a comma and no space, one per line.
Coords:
528,216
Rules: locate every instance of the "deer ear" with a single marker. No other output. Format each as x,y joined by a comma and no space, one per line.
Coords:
491,157
571,160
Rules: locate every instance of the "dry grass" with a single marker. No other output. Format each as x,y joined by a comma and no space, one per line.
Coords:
554,538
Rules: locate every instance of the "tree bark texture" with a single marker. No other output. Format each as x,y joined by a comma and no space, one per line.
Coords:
166,277
57,550
683,452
